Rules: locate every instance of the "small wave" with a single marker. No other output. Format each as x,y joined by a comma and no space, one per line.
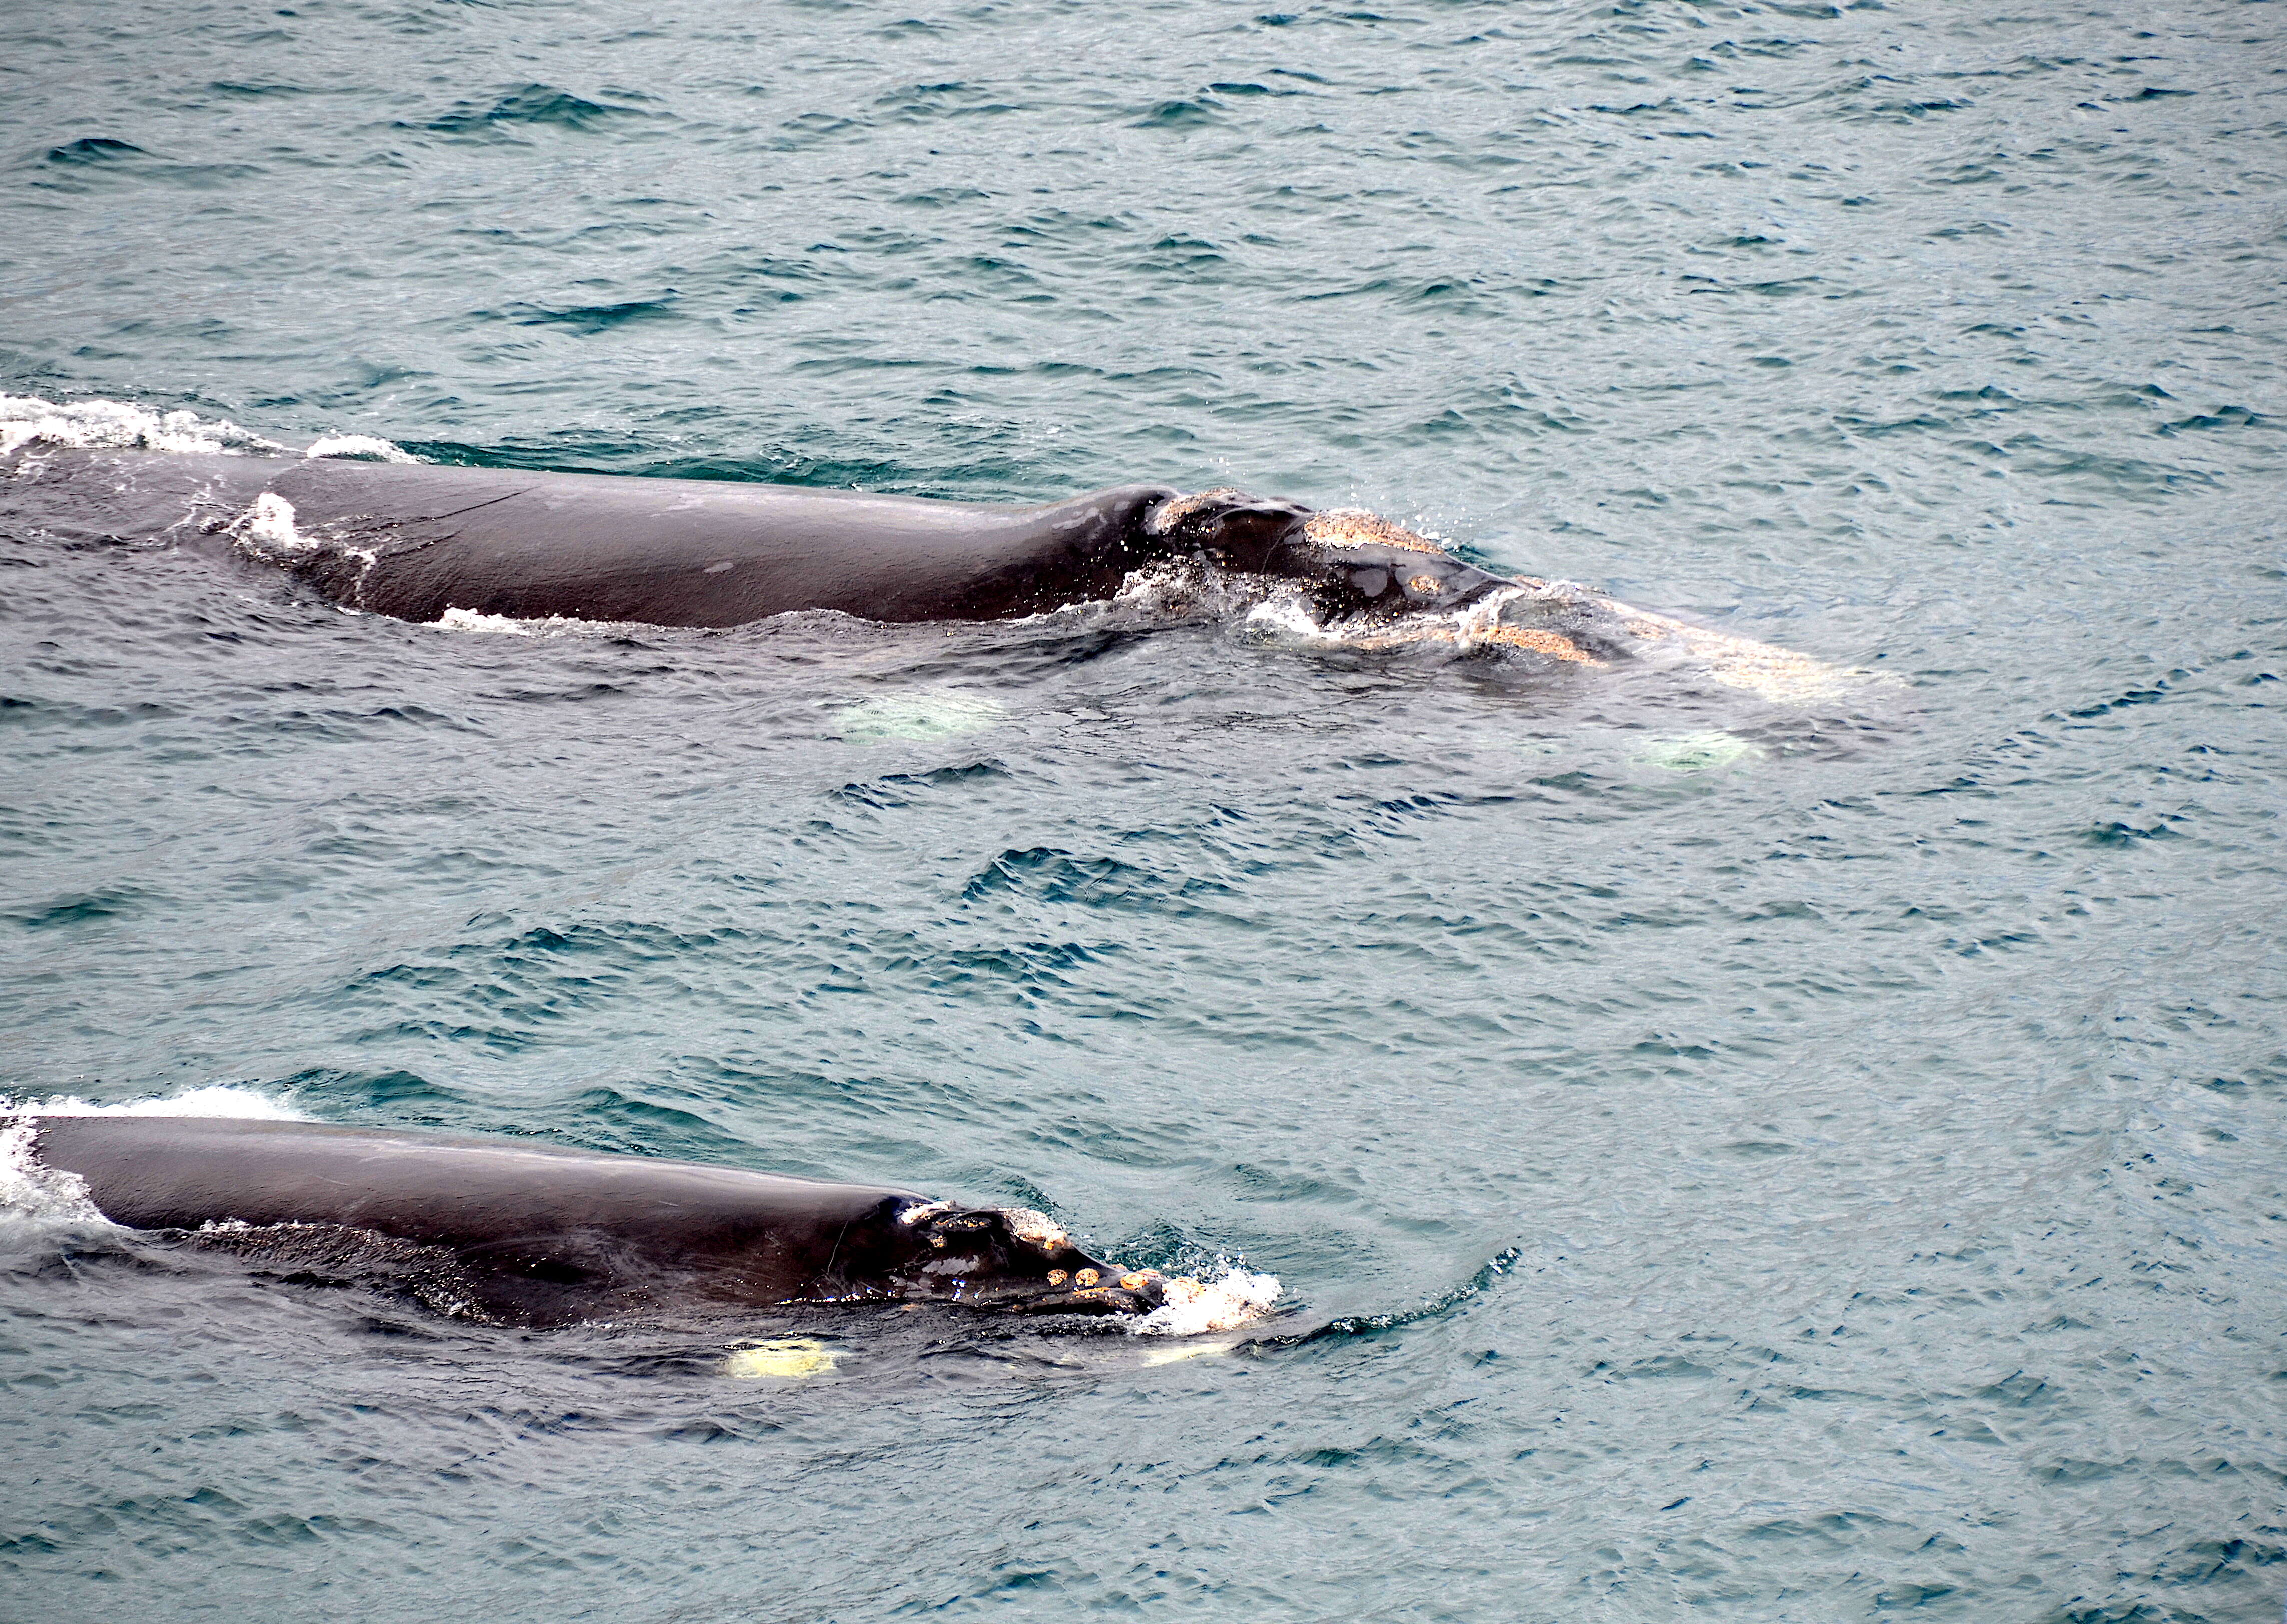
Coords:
1500,1264
501,625
95,150
528,104
121,426
222,1100
359,448
1193,1308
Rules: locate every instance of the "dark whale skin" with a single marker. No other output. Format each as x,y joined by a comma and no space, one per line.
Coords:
539,1234
414,540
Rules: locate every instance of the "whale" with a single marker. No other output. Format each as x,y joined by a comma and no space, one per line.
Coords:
519,1233
438,542
418,541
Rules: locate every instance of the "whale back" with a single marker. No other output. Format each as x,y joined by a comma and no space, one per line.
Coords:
543,1233
523,1232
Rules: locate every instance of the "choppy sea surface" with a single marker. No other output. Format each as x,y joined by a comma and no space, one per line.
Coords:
1753,1157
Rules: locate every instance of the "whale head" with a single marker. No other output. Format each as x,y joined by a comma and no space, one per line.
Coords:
1009,1257
1355,562
1228,528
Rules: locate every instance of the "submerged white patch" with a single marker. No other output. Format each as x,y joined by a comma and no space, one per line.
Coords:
1195,1307
792,1358
1764,670
1703,752
937,713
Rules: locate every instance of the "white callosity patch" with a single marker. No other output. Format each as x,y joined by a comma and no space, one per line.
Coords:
1285,620
1356,527
1195,1307
1166,516
1036,1227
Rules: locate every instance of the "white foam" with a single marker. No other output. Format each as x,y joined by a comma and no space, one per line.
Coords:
37,1197
1195,1307
106,425
225,1099
269,525
470,620
97,425
359,447
510,626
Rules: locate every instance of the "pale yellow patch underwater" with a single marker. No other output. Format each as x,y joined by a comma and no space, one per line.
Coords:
794,1358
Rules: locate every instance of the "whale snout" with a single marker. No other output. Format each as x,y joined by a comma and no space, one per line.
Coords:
1010,1257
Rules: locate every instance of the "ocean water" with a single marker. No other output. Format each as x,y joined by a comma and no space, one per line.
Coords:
1802,1157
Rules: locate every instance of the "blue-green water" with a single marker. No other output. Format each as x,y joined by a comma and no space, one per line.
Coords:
1762,1160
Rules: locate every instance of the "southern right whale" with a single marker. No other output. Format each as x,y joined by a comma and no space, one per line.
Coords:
517,1233
423,542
